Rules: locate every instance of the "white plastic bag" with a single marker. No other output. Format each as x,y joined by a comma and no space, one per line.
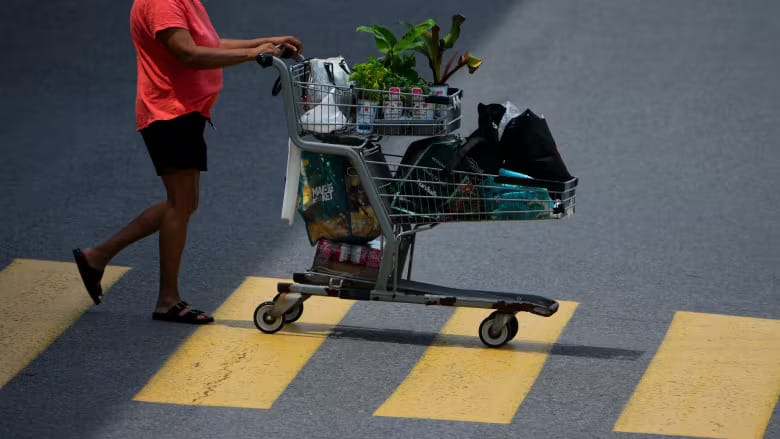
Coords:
325,117
290,200
511,113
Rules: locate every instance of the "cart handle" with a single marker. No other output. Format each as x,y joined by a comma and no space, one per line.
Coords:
265,60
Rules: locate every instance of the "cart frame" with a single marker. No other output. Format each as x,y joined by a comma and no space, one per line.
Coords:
397,252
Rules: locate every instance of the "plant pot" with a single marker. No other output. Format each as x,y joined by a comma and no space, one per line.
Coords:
439,90
392,107
366,113
420,110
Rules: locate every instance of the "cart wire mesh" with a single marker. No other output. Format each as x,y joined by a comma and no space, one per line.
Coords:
331,109
425,195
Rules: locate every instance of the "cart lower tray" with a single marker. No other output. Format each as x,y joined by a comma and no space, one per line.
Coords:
429,294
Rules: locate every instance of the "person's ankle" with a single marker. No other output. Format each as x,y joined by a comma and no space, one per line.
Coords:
96,258
166,304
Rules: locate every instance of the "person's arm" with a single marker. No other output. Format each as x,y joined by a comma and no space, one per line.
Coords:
180,43
291,43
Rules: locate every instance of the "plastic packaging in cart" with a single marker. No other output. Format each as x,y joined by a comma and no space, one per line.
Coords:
291,181
338,257
325,117
511,112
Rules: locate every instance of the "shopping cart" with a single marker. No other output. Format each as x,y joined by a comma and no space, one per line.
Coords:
407,199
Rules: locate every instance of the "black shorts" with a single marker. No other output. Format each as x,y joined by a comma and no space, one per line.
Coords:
177,144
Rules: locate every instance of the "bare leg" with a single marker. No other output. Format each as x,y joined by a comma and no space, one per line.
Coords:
142,226
183,193
170,218
183,189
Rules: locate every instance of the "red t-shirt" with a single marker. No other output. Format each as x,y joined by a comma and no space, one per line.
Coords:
166,87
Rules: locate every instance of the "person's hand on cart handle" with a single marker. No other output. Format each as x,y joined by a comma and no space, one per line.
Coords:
269,48
288,46
292,46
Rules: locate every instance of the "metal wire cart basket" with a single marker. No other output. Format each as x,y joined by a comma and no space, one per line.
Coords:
327,108
407,199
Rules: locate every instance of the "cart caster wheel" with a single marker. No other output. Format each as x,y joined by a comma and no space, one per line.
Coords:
492,335
512,324
264,321
294,313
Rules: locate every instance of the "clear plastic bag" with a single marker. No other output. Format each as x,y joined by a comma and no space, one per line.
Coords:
325,117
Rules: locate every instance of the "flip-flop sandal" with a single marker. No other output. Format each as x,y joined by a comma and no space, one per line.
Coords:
90,276
174,315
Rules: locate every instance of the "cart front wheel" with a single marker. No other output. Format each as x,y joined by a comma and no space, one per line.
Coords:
294,313
265,321
493,335
512,324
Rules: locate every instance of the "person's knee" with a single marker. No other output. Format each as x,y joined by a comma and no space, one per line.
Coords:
183,208
183,193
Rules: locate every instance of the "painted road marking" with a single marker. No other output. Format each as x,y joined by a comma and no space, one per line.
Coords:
476,383
714,376
233,364
41,299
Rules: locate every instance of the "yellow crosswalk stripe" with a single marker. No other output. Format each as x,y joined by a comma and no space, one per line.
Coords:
41,299
475,383
714,376
232,364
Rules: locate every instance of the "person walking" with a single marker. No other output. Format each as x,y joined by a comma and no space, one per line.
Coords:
179,58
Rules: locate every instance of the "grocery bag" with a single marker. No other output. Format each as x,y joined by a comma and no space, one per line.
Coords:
332,201
428,189
527,146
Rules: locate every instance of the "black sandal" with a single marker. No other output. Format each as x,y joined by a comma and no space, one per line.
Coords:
173,315
90,276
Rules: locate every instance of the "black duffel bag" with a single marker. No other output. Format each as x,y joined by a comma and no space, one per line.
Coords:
527,146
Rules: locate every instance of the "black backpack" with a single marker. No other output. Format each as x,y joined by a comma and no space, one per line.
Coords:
480,153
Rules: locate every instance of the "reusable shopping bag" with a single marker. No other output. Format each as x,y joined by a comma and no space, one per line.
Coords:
515,202
332,201
428,189
332,71
328,76
480,154
527,146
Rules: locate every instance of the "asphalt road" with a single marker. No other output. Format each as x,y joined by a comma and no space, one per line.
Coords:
666,110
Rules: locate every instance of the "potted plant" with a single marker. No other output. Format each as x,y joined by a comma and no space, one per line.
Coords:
433,48
398,52
399,57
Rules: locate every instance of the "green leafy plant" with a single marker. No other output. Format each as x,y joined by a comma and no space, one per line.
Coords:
371,75
433,47
398,52
375,75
